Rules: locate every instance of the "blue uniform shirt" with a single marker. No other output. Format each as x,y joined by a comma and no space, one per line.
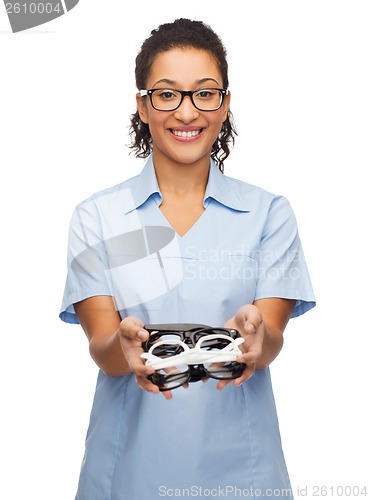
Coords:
203,442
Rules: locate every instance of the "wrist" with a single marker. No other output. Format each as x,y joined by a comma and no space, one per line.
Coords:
271,346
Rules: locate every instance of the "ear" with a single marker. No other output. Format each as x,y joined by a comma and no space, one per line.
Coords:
226,105
142,108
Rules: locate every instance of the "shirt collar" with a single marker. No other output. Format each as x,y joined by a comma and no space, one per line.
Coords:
147,184
220,188
224,190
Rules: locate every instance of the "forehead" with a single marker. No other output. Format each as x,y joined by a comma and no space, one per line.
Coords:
184,67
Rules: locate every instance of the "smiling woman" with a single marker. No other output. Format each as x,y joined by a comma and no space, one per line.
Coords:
179,36
190,72
182,243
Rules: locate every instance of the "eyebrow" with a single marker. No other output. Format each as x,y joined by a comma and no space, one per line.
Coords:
198,82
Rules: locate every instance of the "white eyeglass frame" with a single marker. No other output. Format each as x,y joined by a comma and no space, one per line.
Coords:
194,355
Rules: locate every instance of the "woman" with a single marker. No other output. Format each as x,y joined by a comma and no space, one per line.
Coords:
183,243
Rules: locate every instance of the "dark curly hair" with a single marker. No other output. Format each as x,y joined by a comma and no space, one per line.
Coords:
181,33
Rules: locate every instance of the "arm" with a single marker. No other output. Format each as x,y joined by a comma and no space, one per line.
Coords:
261,325
114,344
275,314
100,322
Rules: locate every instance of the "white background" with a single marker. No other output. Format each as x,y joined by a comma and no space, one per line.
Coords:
299,79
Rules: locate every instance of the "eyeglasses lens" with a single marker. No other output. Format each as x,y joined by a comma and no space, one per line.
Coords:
221,370
170,378
224,371
168,348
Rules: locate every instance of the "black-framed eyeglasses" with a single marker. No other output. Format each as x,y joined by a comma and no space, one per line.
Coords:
204,99
182,353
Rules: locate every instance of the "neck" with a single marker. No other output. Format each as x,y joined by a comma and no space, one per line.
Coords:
182,178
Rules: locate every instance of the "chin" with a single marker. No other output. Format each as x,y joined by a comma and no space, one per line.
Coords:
183,157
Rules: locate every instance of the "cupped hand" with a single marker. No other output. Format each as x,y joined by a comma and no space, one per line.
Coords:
132,334
249,323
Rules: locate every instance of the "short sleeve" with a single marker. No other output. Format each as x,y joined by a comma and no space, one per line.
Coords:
87,260
282,270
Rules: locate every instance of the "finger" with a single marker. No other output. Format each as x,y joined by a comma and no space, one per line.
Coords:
249,327
251,355
246,374
252,321
249,318
154,389
132,351
167,394
138,366
132,328
142,335
223,383
146,385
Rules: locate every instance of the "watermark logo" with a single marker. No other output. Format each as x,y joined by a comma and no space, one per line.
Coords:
24,15
146,261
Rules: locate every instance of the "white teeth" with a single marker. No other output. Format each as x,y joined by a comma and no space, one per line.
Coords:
182,133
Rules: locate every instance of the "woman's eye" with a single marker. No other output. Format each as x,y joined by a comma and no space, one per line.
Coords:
167,94
205,94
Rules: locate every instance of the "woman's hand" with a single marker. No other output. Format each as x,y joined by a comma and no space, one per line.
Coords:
261,325
249,323
132,334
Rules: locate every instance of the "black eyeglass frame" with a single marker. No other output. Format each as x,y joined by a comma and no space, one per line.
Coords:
184,93
194,373
188,333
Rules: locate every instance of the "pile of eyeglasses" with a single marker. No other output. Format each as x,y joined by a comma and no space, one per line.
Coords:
182,353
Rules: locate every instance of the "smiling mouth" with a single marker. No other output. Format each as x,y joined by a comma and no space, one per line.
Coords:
186,134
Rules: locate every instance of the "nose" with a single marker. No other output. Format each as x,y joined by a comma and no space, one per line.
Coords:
186,112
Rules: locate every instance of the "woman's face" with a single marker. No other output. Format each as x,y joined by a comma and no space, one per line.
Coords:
183,69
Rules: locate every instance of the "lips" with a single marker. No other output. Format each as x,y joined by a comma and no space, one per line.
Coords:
186,134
